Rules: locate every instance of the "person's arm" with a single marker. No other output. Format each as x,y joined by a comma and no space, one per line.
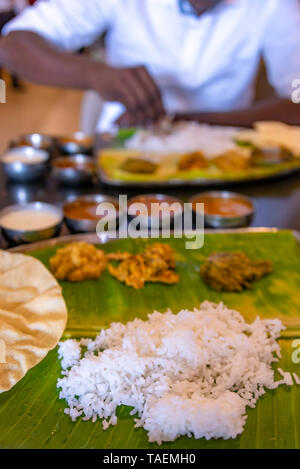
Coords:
276,109
281,52
35,59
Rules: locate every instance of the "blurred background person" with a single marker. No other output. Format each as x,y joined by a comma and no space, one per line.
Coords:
8,10
196,59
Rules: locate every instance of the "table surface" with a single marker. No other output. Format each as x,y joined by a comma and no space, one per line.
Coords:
277,201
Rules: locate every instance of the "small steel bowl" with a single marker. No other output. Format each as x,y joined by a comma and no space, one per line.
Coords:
75,144
77,175
86,225
37,141
21,171
152,220
221,221
22,235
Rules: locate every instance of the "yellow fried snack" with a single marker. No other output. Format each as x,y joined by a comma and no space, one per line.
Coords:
155,264
78,261
192,161
232,160
130,271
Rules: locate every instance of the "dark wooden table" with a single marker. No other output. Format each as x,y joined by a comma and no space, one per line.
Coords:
277,201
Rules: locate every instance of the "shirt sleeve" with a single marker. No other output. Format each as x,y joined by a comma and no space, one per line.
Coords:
281,45
68,24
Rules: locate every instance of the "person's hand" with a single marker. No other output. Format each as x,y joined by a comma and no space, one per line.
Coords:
133,87
128,119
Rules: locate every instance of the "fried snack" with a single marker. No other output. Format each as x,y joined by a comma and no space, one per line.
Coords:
232,160
78,261
270,156
192,161
155,264
131,271
136,165
118,256
233,271
159,257
274,134
33,315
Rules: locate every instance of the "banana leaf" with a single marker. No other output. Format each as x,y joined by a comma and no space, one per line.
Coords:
32,415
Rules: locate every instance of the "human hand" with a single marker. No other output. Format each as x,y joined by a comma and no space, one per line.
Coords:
133,87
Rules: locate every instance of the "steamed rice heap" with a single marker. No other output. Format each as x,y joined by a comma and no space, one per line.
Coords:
185,137
193,373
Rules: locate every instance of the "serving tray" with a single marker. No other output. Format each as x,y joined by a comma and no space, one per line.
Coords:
111,148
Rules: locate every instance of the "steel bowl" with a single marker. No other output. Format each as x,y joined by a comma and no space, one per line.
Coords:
221,221
85,225
74,176
37,141
152,220
22,235
75,144
21,171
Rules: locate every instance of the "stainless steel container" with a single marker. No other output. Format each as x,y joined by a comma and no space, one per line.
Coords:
24,235
19,164
81,173
85,225
75,143
221,221
35,140
157,220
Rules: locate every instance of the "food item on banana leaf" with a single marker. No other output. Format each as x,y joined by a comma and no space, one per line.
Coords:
190,161
194,373
270,156
155,264
232,160
33,316
81,261
78,261
137,165
233,271
272,134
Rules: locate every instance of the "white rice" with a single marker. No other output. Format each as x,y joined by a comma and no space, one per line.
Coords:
193,373
185,138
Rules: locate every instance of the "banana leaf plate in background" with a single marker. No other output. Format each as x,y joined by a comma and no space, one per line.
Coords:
112,154
31,413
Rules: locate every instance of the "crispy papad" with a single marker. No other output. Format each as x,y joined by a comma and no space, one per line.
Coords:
33,315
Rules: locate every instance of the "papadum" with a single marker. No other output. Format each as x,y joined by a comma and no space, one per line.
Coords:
275,134
33,315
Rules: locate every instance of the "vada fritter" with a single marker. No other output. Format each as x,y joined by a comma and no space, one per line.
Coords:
77,262
82,261
232,161
192,161
155,264
233,271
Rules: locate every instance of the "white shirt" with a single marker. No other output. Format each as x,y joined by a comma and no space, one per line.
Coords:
200,64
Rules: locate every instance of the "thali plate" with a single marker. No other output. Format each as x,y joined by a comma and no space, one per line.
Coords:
31,414
111,153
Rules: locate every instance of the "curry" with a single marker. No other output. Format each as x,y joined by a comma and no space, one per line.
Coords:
67,163
84,210
224,207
